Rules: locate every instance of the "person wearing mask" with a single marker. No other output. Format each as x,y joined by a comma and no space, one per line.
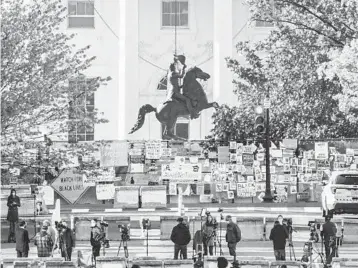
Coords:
222,262
96,237
22,241
328,233
180,236
279,235
66,242
13,202
233,236
208,235
44,243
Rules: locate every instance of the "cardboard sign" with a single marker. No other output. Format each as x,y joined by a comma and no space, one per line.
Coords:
181,173
70,185
114,154
321,150
153,149
105,191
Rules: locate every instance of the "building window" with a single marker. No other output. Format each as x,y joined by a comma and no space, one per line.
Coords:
175,12
81,14
163,83
81,112
181,128
264,24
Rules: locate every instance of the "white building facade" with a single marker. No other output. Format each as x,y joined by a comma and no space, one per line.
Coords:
134,42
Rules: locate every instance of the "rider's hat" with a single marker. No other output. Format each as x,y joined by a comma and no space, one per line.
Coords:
180,58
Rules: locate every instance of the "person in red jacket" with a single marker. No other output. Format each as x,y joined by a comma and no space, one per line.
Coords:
180,237
13,202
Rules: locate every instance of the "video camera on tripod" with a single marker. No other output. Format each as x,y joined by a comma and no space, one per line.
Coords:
314,227
124,230
146,224
105,241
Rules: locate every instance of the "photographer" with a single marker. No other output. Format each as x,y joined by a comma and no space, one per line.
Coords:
279,235
96,237
328,233
209,234
180,237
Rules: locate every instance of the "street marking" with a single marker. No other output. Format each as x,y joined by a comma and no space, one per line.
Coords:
113,210
312,209
78,210
146,209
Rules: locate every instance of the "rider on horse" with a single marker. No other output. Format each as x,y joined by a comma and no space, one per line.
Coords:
176,72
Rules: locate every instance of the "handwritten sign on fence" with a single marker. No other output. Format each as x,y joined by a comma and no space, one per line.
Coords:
114,154
105,191
181,172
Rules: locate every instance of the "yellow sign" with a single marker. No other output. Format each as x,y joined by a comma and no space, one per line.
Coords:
70,185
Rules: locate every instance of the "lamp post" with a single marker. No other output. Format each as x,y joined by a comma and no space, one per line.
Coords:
268,198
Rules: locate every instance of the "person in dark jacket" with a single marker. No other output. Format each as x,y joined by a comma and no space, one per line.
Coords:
279,235
180,237
66,241
233,236
22,240
13,202
329,232
96,238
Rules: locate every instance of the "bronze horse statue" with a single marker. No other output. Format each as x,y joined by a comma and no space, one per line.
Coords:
168,112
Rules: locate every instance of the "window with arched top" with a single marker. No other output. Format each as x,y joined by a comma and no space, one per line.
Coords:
162,85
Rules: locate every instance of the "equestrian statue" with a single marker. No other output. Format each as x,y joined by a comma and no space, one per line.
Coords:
191,102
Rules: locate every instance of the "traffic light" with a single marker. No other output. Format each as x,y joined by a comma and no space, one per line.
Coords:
259,120
260,124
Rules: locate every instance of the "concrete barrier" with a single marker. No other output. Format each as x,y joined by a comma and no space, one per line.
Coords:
350,231
251,228
59,264
288,264
9,262
111,262
167,224
21,264
27,206
83,227
178,264
247,262
148,263
344,262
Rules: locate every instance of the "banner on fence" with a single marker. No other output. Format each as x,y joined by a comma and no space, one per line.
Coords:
181,173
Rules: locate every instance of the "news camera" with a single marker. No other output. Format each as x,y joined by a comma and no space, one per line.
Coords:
124,230
146,224
104,224
314,227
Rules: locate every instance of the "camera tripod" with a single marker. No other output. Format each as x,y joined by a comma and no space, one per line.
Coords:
124,243
307,258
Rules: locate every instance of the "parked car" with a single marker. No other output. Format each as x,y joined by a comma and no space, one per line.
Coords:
340,193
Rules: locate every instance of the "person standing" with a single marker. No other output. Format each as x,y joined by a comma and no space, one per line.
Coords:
180,237
96,236
209,235
66,241
279,235
233,236
13,202
50,230
22,241
328,233
44,243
